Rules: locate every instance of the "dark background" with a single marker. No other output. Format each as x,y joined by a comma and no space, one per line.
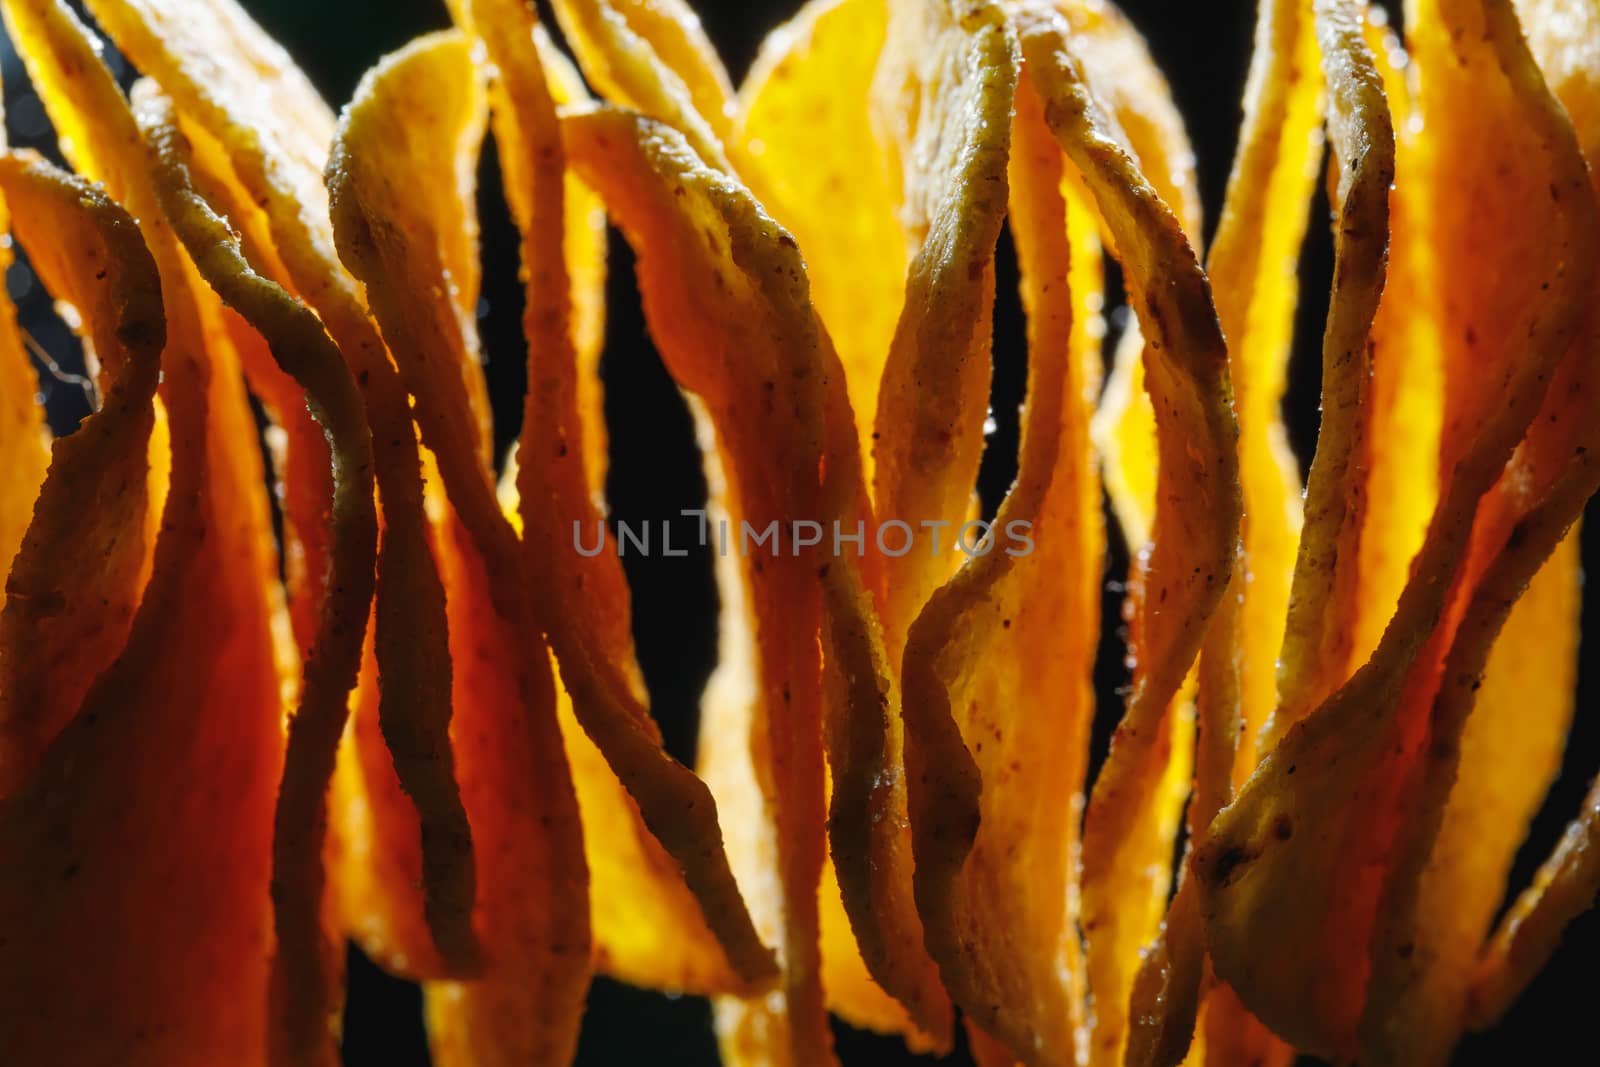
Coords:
1204,50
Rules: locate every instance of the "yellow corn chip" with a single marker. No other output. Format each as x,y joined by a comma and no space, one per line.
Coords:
1293,871
421,113
584,598
237,85
994,876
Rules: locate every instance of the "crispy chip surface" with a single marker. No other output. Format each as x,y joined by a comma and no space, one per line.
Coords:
1299,864
422,112
179,950
583,598
730,334
304,978
1002,917
214,61
1194,530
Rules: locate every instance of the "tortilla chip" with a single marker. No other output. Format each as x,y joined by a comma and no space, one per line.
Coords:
726,298
1194,531
233,82
944,91
1560,35
303,350
148,821
73,588
583,599
1297,864
652,56
1486,775
803,138
1001,912
24,437
421,114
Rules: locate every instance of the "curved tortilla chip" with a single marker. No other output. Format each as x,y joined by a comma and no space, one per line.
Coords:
1253,268
1184,571
24,438
1512,669
159,953
1000,900
1562,35
804,140
725,295
1138,102
1298,864
674,33
420,115
950,151
1317,648
641,54
303,350
1141,116
239,86
944,91
73,586
583,598
1404,411
1565,887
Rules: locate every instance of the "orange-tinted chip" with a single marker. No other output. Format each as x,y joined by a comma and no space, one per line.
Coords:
999,895
416,122
805,141
298,343
1294,871
726,297
652,56
1184,571
24,438
228,79
74,585
142,916
582,598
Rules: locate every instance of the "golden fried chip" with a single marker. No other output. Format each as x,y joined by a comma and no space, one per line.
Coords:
726,297
299,451
1317,648
237,85
1194,531
1561,34
1486,775
74,585
1253,268
159,952
1141,113
1502,760
949,152
1138,103
1564,888
303,350
803,139
583,597
673,32
1001,912
24,438
1293,872
652,56
417,121
1403,417
944,92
